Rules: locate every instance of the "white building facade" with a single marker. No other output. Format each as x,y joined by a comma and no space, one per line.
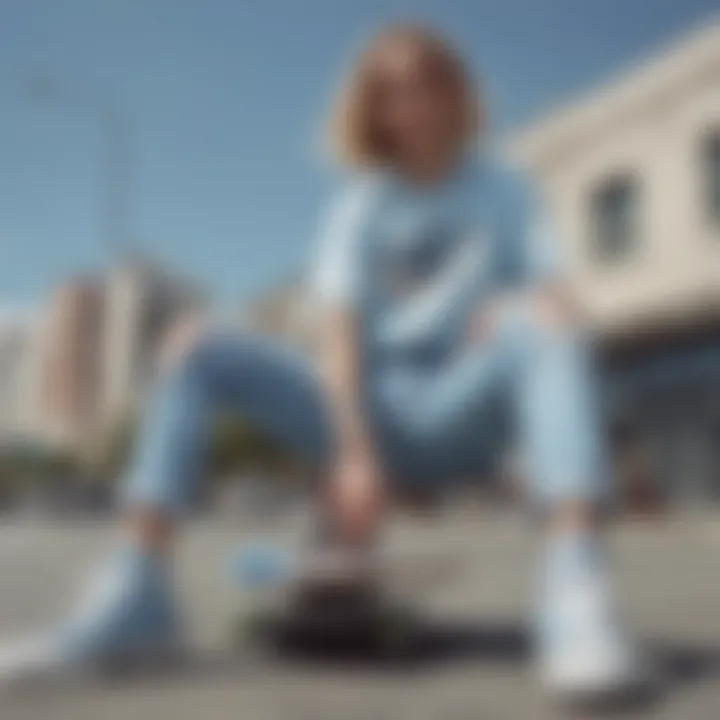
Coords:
631,175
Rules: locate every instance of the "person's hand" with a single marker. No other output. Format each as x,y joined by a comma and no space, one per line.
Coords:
357,496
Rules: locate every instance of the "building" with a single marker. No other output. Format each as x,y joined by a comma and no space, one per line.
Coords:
143,301
16,344
92,353
65,364
631,175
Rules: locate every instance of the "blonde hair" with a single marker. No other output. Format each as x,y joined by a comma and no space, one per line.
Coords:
356,138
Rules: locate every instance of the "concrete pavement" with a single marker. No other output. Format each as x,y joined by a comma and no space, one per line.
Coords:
668,580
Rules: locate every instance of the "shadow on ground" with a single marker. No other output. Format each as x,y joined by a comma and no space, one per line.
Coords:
440,645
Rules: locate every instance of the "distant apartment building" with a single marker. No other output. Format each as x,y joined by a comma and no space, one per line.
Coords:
631,174
143,301
16,339
92,353
63,404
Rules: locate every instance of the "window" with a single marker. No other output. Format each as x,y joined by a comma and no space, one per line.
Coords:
615,219
711,176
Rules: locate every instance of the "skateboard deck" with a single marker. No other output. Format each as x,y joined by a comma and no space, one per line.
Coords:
332,609
346,621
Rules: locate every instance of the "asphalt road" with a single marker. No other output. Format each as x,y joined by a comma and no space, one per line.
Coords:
472,575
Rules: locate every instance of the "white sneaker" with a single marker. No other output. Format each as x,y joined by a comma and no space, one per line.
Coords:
582,649
126,613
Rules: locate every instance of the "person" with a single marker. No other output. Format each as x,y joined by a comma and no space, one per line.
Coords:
441,301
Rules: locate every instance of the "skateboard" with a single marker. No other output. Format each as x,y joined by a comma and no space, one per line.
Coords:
330,609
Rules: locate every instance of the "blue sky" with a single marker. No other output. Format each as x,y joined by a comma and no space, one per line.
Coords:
225,99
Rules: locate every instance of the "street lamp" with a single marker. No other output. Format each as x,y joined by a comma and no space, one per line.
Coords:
115,160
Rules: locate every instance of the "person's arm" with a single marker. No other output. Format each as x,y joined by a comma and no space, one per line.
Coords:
341,360
355,487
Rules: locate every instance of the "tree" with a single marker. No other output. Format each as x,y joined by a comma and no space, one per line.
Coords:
29,465
110,455
237,444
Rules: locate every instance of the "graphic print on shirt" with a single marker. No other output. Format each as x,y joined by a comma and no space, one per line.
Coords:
426,274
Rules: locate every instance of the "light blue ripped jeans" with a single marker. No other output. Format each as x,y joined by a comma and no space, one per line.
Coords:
430,426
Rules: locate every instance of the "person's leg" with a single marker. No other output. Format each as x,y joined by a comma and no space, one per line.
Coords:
129,608
543,361
580,645
266,384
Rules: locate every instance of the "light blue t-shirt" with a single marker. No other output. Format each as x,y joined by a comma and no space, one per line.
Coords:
417,262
